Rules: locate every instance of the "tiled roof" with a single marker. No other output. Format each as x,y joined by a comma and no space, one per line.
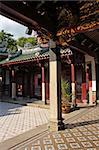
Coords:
26,58
43,54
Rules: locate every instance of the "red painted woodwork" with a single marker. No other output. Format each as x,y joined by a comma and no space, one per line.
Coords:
90,84
84,92
84,89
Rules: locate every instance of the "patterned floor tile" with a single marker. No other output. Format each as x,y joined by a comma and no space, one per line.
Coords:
96,143
36,148
74,130
92,137
16,119
81,138
62,146
59,141
47,141
56,136
82,129
83,135
77,134
67,135
49,147
74,145
95,132
47,137
87,133
36,142
86,144
70,140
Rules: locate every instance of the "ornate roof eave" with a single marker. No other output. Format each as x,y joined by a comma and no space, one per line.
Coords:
71,32
85,20
39,16
64,53
25,61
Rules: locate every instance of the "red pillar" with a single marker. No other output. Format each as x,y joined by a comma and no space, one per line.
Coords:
84,85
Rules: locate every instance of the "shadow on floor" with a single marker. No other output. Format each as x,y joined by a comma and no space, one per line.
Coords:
9,109
78,124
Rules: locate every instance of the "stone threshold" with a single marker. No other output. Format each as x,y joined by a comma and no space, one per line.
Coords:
22,139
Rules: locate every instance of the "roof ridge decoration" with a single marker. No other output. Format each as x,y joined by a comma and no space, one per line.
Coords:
36,53
11,56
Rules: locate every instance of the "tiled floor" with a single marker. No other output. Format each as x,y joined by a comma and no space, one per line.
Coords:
81,133
16,119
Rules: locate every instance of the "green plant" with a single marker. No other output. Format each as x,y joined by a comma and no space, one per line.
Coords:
65,92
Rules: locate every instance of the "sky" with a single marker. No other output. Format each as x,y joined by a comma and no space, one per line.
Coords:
13,27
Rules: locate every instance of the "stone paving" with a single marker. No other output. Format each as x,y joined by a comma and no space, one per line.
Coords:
16,119
81,133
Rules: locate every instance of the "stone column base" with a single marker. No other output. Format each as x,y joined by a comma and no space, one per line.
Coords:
73,95
56,125
43,92
84,101
93,97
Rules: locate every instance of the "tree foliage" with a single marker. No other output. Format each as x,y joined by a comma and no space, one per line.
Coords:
22,41
11,43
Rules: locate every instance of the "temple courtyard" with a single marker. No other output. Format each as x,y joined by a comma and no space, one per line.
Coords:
16,119
26,128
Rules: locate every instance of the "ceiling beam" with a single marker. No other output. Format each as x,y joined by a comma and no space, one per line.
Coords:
81,48
15,15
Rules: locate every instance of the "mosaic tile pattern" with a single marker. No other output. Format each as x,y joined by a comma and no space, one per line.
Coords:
84,135
16,119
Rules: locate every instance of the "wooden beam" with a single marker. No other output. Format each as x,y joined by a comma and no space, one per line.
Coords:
26,16
81,48
15,15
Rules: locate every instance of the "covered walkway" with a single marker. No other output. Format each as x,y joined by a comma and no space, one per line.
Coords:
59,23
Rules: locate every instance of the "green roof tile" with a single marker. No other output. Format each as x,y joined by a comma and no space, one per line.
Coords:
26,57
34,55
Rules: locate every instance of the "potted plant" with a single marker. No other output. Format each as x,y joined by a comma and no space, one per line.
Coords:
66,96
